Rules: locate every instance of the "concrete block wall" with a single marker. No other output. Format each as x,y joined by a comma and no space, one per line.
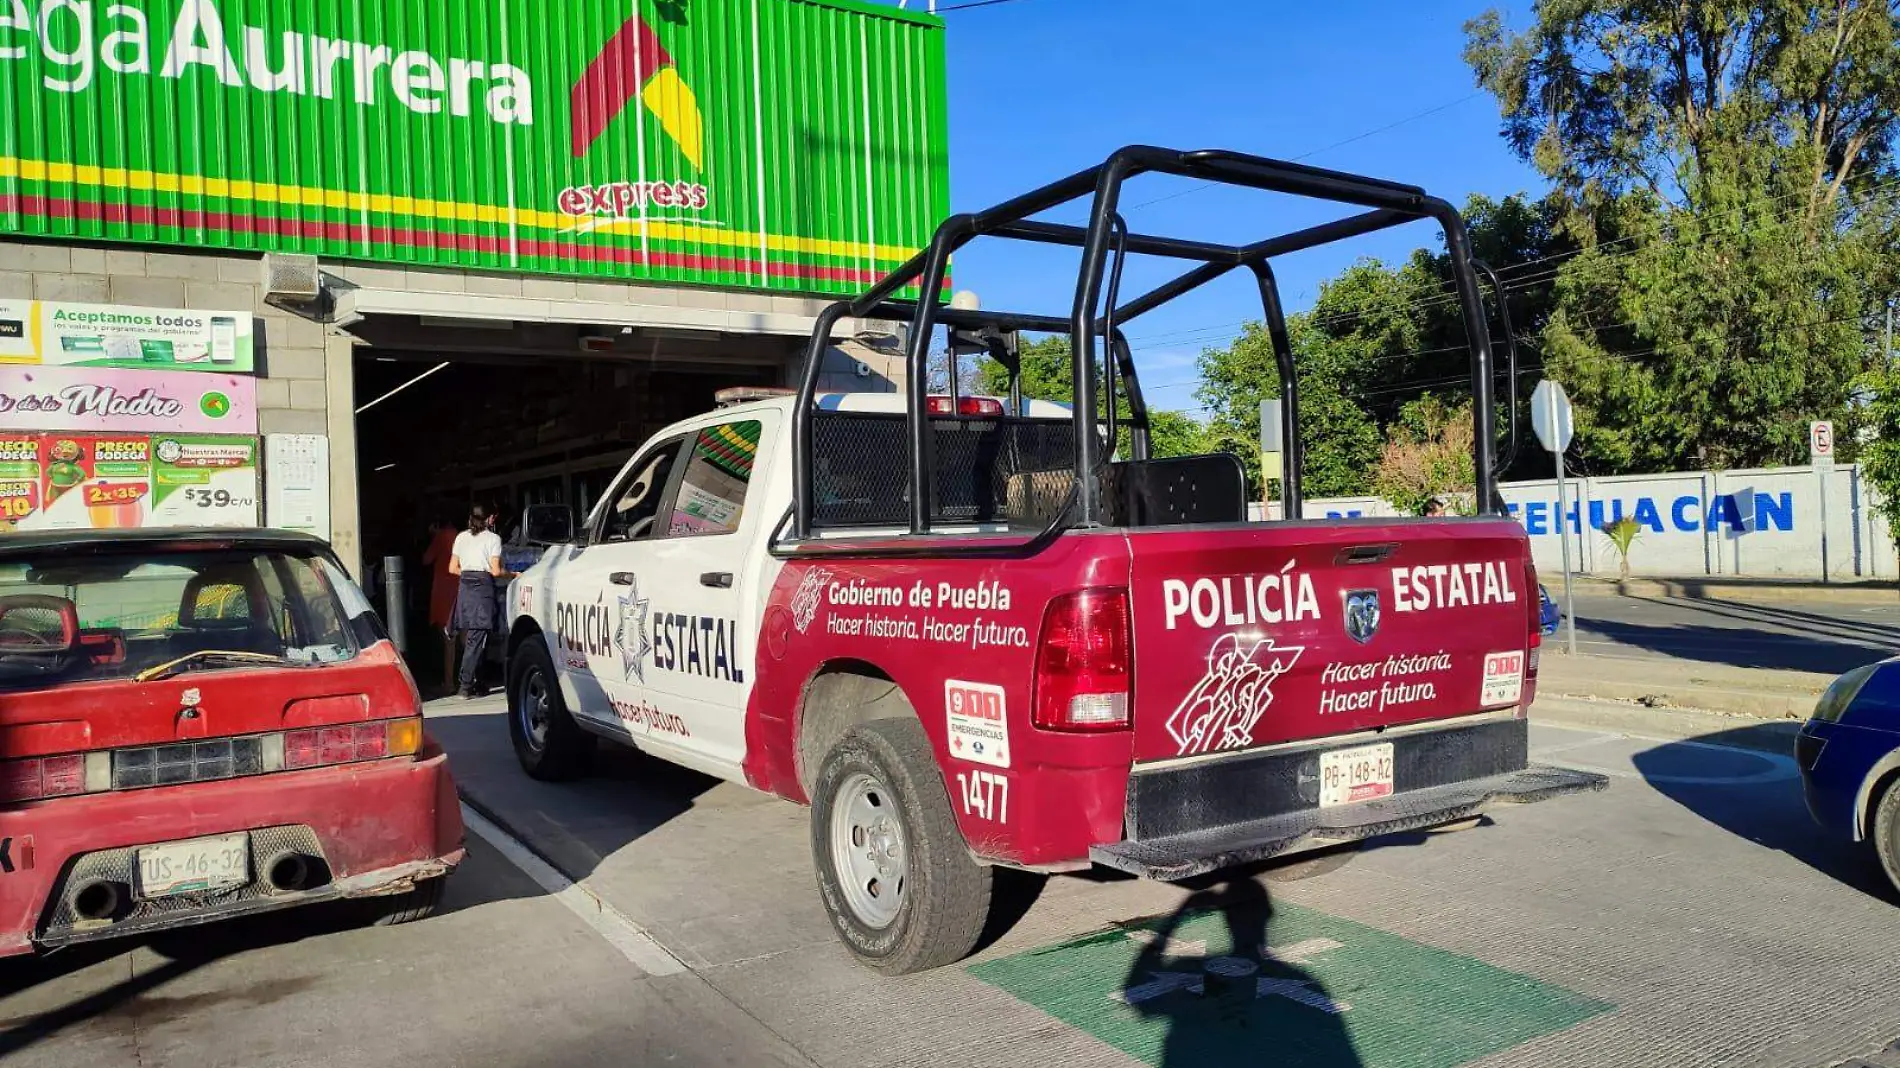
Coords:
306,382
291,394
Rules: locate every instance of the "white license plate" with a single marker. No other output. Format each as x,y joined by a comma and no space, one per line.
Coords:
195,865
1348,775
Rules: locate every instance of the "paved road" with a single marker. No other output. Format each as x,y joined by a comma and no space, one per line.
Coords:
1817,635
1686,916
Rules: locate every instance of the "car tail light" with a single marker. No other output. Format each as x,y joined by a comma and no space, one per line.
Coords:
348,744
988,407
41,777
1536,602
1084,663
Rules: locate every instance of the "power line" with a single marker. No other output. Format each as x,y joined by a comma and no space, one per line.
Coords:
1601,357
972,4
1887,191
1427,113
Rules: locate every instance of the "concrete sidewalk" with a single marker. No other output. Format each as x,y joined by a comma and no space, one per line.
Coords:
1683,684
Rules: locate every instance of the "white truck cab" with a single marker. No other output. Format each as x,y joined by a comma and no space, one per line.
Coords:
652,606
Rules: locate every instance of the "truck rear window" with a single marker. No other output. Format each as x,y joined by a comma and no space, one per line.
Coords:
85,616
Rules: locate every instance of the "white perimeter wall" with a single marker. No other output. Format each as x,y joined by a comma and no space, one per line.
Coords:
1766,523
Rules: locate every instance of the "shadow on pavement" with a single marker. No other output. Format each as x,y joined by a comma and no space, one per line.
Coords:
184,951
135,994
1747,635
1227,983
1756,796
573,825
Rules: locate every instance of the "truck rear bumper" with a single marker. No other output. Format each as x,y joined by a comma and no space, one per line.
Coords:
1186,855
1190,819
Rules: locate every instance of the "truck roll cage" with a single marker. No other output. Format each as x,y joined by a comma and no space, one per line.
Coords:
1105,242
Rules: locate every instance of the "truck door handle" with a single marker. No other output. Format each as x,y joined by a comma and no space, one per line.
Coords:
719,580
621,578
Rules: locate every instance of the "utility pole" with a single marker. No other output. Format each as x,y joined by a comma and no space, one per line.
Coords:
1887,351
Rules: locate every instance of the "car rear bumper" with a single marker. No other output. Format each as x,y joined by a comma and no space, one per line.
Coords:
371,829
1189,820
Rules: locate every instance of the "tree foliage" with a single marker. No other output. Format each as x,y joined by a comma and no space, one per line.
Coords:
1428,456
1377,339
1048,373
1727,168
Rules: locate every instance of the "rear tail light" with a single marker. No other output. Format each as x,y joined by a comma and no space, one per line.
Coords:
1536,601
36,778
320,746
1084,663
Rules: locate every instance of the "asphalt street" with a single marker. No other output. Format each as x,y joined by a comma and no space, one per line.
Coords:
1819,634
1688,915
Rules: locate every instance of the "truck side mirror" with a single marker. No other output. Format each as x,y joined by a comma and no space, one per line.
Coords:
548,524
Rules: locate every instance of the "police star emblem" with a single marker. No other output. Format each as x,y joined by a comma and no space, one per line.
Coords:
631,633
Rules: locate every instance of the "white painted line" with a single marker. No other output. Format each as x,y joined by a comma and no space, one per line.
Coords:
1539,752
608,922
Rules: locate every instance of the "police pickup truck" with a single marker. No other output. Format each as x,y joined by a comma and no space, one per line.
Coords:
973,632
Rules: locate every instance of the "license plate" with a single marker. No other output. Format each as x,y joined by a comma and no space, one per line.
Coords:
195,865
1348,775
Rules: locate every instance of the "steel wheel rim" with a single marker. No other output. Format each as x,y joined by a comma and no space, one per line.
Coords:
869,851
534,709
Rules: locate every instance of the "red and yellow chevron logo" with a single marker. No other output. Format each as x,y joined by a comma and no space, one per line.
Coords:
635,63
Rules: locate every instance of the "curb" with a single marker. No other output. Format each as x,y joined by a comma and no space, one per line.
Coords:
1762,694
1765,591
1681,724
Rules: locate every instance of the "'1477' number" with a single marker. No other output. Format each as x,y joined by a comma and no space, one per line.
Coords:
985,795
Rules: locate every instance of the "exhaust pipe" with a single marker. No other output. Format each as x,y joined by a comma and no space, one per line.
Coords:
290,871
100,899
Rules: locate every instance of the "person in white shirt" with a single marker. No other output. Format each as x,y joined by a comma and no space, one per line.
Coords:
476,558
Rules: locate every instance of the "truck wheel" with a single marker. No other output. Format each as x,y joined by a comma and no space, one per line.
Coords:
893,871
1886,834
417,903
547,742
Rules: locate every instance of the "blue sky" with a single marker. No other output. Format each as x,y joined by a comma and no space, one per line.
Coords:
1040,88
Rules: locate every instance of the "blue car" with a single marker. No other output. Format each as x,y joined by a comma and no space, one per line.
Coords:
1547,612
1849,752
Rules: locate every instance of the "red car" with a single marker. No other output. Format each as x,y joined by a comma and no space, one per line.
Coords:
196,725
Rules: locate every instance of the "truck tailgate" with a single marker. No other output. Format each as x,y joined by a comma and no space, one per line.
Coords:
1269,633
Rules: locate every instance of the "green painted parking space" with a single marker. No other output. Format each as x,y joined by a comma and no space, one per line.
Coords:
1231,979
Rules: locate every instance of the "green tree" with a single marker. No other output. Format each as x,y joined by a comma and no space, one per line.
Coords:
1728,168
1378,338
1049,374
1427,456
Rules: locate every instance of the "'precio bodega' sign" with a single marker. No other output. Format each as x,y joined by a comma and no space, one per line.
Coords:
782,144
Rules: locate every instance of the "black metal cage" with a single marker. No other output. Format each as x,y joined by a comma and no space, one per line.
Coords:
1007,470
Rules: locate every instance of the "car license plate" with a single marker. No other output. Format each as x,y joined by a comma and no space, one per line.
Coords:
1361,774
195,865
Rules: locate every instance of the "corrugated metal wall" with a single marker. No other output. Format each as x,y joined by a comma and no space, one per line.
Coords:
794,145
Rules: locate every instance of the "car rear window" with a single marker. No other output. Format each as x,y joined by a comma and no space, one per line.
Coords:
139,611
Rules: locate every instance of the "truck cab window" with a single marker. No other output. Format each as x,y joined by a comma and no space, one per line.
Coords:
636,503
711,498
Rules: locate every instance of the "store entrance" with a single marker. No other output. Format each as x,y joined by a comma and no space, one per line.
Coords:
437,432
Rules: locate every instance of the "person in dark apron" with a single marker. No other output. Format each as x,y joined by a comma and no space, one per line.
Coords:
476,561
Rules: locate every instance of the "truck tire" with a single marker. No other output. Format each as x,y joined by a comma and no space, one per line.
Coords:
547,742
417,903
893,872
1886,832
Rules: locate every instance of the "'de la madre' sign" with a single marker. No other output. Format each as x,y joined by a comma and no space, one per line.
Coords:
84,398
776,144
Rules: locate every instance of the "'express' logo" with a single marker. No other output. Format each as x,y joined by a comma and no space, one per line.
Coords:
635,63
